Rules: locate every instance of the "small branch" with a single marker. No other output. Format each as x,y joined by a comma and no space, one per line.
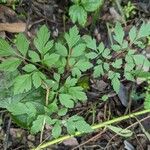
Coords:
94,127
42,131
109,34
46,103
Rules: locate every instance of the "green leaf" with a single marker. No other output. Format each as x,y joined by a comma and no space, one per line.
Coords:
76,72
119,33
116,47
106,66
120,131
98,71
51,59
62,111
129,76
144,30
117,64
106,53
115,80
61,49
78,50
141,60
75,1
57,77
132,34
37,80
104,98
22,84
129,59
18,108
42,42
83,65
78,14
5,48
10,64
53,107
22,44
141,74
72,37
56,131
101,48
77,122
83,127
125,44
34,56
29,68
77,93
90,43
129,67
31,109
91,55
70,125
66,100
91,5
70,82
39,123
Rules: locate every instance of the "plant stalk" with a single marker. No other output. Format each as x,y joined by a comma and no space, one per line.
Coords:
94,127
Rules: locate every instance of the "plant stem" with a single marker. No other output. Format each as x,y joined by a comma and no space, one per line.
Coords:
109,34
121,11
94,127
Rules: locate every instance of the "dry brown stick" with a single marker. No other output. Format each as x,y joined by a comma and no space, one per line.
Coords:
13,27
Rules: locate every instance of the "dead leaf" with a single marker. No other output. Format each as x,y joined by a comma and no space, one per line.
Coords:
115,15
71,142
123,95
13,27
9,21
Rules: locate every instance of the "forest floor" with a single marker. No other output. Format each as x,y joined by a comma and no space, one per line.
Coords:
54,13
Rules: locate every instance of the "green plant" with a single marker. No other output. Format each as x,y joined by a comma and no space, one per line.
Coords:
12,3
122,59
44,81
45,86
125,132
79,10
129,10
